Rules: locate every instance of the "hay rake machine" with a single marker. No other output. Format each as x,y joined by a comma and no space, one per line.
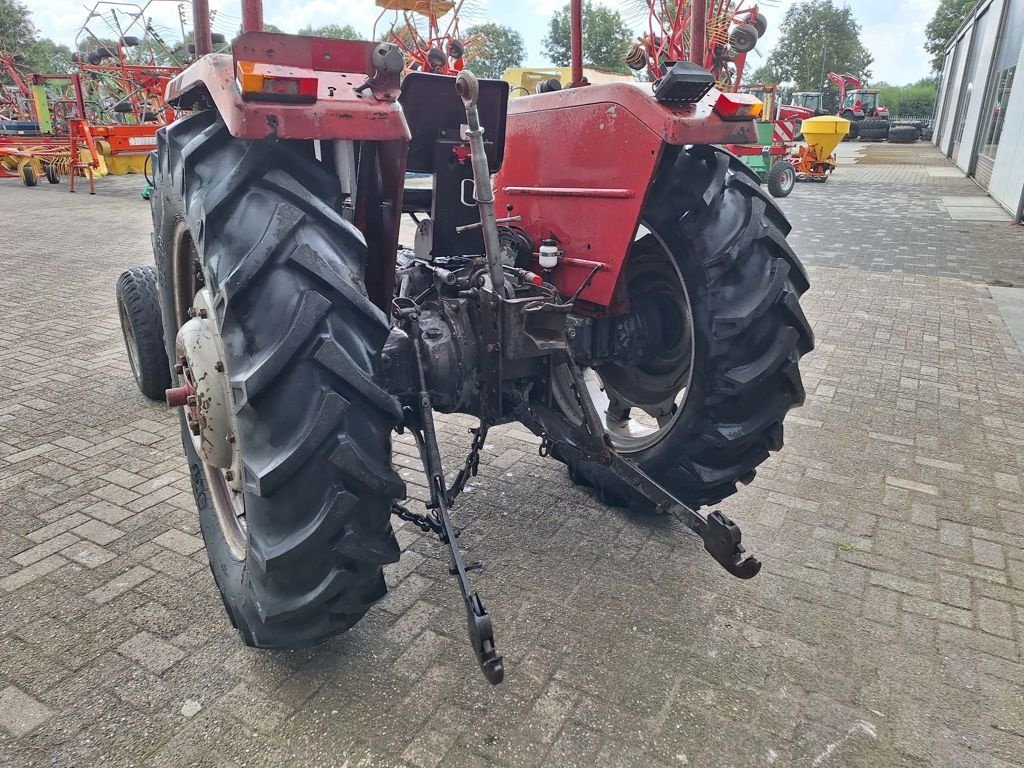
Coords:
589,262
717,36
37,119
427,32
102,117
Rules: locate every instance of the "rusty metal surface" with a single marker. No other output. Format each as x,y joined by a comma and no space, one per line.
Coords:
252,15
340,112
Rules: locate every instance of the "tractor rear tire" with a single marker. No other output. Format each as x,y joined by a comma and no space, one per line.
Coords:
874,134
727,242
301,343
873,129
138,306
781,179
904,134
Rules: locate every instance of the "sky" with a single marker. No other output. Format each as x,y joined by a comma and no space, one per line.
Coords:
892,31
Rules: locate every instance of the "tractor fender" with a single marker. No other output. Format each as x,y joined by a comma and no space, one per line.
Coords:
578,166
338,112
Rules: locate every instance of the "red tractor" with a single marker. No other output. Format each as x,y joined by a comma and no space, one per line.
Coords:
624,289
868,120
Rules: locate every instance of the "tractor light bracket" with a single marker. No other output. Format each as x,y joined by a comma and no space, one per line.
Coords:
683,83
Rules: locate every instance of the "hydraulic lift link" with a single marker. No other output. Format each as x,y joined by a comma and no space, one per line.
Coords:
478,620
721,536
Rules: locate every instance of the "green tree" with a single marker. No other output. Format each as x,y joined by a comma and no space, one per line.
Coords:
913,100
818,36
18,35
16,29
606,38
495,48
46,57
760,75
338,31
948,17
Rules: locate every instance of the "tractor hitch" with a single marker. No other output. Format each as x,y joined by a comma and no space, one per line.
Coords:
722,537
478,620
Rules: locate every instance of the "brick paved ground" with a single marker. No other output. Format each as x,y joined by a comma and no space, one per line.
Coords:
887,628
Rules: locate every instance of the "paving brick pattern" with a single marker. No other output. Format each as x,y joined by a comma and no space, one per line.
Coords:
882,212
887,628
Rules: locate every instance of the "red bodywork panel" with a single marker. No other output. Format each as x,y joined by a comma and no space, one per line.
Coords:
340,112
793,112
578,164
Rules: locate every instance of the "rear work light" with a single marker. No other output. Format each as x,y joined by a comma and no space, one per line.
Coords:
738,106
683,83
269,82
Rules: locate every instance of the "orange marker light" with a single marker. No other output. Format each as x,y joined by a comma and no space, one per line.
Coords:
738,106
268,82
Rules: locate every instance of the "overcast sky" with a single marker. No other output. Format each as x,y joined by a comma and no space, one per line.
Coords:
893,31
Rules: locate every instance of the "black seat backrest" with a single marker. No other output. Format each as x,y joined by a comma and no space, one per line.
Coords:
432,108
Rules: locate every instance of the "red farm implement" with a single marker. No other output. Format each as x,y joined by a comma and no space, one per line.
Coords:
588,262
716,36
869,120
427,33
103,116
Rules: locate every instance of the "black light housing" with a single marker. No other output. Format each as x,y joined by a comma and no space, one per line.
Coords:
683,83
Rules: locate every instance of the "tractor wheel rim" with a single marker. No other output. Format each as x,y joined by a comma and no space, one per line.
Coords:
632,428
228,503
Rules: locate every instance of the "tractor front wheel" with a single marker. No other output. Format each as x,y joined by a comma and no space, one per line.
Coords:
138,307
286,431
711,269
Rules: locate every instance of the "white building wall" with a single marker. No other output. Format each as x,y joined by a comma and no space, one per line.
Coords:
989,30
1007,183
945,83
947,113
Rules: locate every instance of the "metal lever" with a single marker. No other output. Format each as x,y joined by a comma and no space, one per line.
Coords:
468,88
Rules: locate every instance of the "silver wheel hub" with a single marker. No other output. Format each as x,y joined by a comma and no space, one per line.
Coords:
209,410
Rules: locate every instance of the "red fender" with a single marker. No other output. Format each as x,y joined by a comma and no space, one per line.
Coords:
578,166
339,112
